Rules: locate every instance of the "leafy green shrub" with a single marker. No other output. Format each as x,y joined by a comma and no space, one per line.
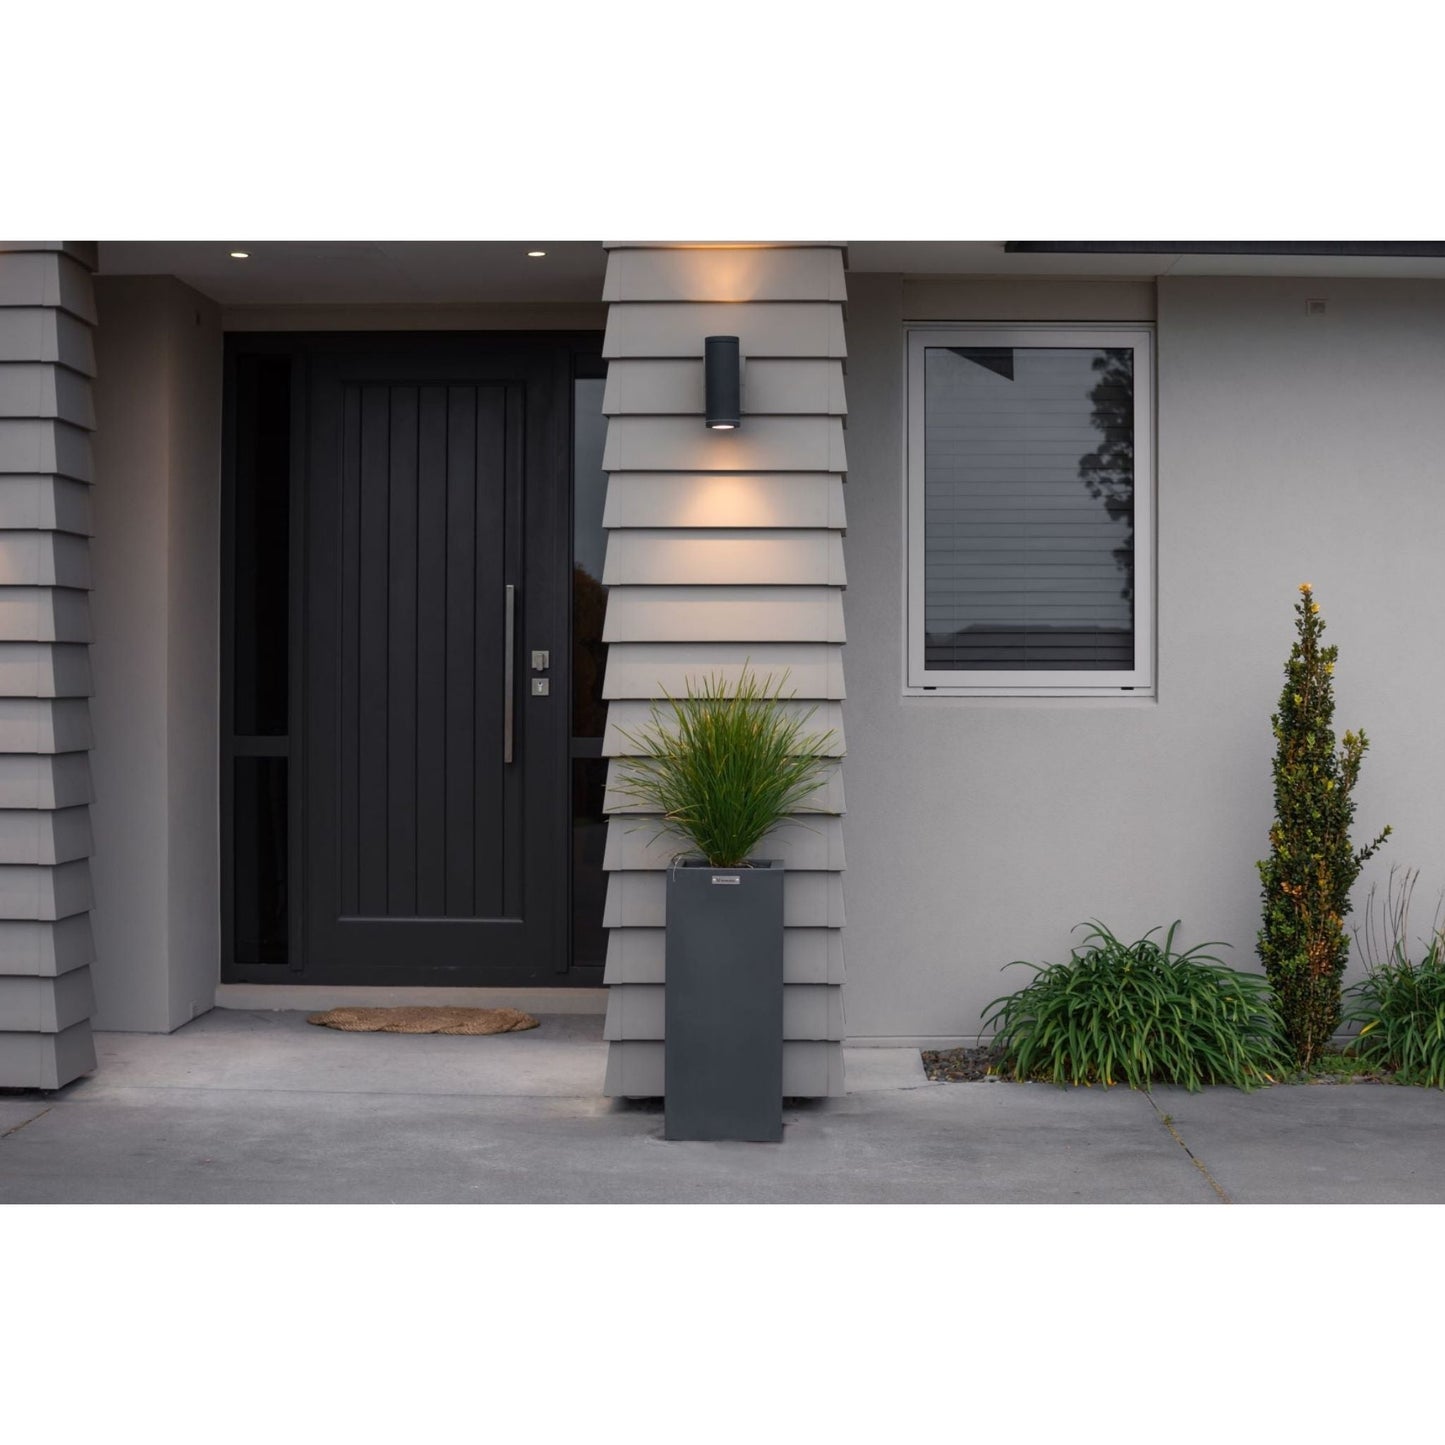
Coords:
1306,879
1140,1012
1400,1004
726,765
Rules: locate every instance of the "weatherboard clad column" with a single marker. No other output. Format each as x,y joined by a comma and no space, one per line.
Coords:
47,361
725,549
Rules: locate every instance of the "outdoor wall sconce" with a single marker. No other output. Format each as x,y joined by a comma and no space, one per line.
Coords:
722,382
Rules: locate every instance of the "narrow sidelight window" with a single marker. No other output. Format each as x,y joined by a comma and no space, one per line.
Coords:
1030,519
589,665
257,779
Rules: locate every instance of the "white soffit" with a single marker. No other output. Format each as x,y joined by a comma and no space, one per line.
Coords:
438,272
281,273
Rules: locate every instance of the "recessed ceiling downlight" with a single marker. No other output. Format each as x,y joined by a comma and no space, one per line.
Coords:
536,253
239,255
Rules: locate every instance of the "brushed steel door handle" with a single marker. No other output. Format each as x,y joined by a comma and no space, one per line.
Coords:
509,651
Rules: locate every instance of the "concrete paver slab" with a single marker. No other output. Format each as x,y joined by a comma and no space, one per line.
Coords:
1317,1144
18,1110
232,1049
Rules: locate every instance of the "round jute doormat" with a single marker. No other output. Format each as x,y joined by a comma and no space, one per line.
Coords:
425,1020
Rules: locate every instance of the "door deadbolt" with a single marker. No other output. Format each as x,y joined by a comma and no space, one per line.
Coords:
541,686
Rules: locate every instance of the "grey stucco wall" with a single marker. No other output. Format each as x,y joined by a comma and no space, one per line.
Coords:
1291,447
156,653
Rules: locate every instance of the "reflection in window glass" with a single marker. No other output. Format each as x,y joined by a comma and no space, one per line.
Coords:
1029,509
262,545
589,547
589,663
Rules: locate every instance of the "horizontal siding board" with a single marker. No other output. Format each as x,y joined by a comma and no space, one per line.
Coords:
827,799
810,955
633,845
38,389
631,715
812,1068
44,614
37,780
639,900
43,669
811,670
41,835
724,273
771,386
810,1011
45,503
47,1005
760,444
42,892
44,725
44,949
724,614
46,278
748,499
29,445
772,328
43,559
46,1061
38,333
675,557
86,252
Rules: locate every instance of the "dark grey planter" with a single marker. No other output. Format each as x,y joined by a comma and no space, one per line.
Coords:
723,1029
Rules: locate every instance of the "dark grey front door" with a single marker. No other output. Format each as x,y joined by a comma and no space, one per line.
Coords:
435,831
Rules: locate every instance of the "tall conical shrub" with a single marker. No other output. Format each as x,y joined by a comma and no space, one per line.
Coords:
1311,865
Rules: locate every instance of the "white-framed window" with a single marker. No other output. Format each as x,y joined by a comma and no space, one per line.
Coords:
1030,510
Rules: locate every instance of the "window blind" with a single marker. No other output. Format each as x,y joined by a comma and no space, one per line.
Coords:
1029,508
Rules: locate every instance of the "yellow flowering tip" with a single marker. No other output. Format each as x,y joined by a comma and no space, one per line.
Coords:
1305,587
1314,606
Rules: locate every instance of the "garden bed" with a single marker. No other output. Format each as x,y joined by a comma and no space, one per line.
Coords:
959,1066
974,1065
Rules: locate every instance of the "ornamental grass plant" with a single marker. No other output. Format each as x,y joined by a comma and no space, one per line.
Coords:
1399,1006
1139,1013
1312,865
725,764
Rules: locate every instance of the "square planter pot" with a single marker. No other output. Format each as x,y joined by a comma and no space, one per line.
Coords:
723,1026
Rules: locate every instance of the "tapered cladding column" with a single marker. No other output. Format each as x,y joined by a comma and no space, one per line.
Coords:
725,548
47,360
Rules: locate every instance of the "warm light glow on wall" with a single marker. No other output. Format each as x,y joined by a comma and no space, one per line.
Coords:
738,501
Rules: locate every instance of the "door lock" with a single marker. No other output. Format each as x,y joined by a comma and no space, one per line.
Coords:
541,661
541,686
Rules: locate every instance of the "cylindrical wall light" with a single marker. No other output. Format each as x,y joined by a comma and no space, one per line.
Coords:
722,382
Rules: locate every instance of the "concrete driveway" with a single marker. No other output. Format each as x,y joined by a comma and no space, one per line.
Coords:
259,1108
